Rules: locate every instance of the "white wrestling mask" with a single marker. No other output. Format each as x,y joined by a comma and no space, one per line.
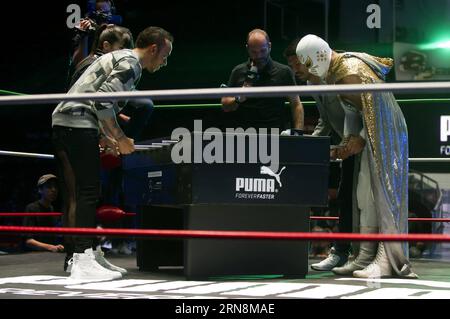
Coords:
315,54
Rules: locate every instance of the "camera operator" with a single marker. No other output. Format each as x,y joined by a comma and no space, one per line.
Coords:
100,12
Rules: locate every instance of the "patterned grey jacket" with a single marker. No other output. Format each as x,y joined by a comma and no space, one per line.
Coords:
113,72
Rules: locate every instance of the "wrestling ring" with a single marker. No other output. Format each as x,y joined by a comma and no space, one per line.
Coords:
38,275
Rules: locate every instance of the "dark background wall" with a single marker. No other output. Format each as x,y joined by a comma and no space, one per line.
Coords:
209,35
209,38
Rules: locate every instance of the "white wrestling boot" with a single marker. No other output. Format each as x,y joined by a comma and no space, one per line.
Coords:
367,252
85,267
406,272
100,258
380,268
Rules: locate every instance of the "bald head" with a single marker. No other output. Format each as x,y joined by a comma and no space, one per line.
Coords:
258,35
258,46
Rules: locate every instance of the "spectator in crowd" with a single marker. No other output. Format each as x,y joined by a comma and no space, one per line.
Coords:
48,193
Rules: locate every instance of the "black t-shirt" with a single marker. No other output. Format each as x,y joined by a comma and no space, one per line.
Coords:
263,112
41,221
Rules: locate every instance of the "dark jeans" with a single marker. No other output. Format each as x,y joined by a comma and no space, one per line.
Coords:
140,111
113,194
345,200
78,163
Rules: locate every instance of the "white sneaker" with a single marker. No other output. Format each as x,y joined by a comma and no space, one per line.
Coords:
100,258
333,260
86,267
327,264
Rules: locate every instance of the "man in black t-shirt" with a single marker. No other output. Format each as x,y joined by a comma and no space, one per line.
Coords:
48,192
261,70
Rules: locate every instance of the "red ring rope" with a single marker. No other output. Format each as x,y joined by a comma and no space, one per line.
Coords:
321,218
170,233
30,214
54,214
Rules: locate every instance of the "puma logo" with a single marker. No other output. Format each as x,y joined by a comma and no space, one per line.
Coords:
267,171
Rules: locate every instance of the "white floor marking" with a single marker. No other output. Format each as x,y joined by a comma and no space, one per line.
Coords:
196,289
214,288
166,286
113,285
26,279
65,281
268,289
157,285
388,293
324,291
436,294
428,283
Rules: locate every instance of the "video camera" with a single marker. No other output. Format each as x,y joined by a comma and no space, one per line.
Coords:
100,17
